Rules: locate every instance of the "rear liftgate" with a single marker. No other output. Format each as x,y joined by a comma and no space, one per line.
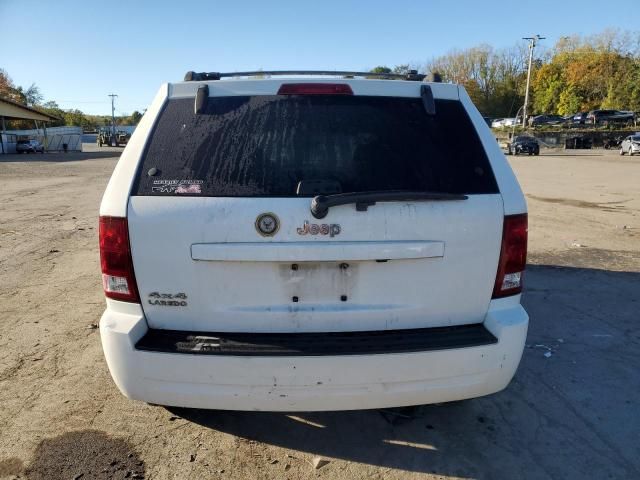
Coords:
314,211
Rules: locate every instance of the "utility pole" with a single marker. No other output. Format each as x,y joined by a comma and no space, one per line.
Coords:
113,114
532,44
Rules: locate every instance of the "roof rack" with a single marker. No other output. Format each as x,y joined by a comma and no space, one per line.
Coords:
202,76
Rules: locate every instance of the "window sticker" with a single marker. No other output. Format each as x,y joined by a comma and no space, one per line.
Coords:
177,186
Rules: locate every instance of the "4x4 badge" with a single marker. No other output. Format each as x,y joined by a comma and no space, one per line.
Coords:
267,224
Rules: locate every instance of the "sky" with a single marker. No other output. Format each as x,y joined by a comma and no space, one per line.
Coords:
78,52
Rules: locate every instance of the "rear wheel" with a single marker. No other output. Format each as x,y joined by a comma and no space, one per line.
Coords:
621,151
515,151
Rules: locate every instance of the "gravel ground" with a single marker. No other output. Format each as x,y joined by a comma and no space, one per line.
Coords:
570,413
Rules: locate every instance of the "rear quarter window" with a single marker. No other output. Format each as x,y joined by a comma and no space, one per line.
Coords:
264,146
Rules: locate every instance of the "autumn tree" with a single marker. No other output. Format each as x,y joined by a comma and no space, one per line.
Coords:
600,71
493,78
8,88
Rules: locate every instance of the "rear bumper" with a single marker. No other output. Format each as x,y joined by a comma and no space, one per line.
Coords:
307,383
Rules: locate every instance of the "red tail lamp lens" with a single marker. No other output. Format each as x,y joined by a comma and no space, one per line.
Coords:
118,279
513,256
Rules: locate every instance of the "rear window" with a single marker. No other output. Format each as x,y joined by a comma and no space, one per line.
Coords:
265,146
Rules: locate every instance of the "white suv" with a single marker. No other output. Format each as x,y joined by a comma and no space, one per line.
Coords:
302,242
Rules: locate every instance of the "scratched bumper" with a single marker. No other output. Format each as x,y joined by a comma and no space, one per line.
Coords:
311,383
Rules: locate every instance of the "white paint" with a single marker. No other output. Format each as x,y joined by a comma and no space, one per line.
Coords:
442,267
311,383
385,88
241,295
315,251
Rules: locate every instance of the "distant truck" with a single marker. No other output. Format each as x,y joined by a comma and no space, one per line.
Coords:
105,137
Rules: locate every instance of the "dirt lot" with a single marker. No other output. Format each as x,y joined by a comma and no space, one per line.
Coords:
571,412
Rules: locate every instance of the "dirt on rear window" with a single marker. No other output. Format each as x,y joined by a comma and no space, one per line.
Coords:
266,145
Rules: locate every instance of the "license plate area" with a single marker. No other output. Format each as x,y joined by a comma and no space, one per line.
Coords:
319,282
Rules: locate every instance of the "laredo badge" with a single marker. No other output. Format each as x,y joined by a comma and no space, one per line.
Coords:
168,299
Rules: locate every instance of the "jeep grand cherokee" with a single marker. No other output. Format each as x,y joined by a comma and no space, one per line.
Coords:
312,242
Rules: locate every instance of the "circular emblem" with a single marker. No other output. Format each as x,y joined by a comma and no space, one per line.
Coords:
267,224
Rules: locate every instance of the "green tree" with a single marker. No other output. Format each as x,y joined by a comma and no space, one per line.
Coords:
52,108
75,118
568,102
401,69
33,96
549,84
381,69
135,118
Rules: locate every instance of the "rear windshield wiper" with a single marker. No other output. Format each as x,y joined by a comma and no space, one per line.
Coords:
321,204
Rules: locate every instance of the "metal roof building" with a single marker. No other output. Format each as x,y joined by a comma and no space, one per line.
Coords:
10,110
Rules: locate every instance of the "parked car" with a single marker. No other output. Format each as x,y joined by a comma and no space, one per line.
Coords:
610,116
504,122
524,144
539,120
29,146
630,145
580,118
297,244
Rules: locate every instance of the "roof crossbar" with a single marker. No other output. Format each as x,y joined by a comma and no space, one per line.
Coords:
203,76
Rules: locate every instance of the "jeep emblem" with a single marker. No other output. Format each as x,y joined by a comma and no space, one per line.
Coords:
267,224
331,229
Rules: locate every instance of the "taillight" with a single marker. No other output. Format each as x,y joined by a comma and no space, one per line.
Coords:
513,256
118,279
315,89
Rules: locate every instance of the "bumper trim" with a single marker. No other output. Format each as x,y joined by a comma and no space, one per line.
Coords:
316,344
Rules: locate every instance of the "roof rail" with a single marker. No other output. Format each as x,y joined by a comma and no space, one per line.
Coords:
203,76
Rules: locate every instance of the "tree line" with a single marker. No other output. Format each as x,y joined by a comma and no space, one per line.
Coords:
578,73
32,97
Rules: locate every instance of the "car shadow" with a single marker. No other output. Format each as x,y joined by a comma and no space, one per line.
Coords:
552,421
410,438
